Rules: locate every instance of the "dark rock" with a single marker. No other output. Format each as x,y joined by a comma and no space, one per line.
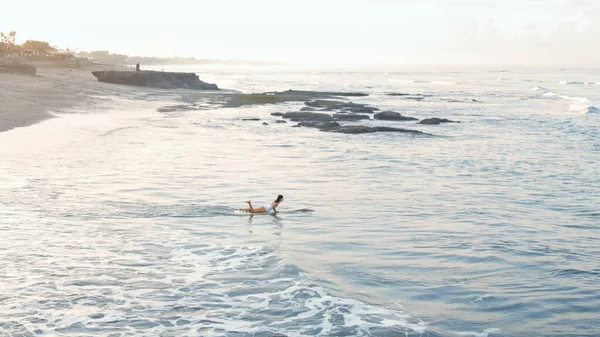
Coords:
277,114
397,94
238,100
323,126
358,129
349,117
393,116
326,104
280,121
251,119
307,116
325,93
389,129
415,98
265,123
307,108
354,129
339,105
18,68
96,316
435,121
360,109
155,79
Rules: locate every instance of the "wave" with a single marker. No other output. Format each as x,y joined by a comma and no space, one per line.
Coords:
580,104
579,83
444,83
406,81
565,97
421,81
210,289
284,299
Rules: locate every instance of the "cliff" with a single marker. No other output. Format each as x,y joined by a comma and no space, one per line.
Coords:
155,79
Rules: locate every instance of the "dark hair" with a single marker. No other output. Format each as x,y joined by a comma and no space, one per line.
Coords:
279,198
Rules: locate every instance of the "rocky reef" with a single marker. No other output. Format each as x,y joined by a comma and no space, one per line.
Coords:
277,97
155,79
322,110
435,121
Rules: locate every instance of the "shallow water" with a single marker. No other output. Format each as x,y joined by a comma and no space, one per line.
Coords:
122,220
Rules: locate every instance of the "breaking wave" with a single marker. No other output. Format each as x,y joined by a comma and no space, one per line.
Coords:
565,97
194,288
578,82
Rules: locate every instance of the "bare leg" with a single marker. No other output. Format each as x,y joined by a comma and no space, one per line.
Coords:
250,204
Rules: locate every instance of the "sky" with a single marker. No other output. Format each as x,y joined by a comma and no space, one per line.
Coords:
362,32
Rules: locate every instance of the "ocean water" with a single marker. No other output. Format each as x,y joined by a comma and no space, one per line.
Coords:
119,220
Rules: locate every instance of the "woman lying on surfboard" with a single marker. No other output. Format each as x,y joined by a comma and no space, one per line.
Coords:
263,209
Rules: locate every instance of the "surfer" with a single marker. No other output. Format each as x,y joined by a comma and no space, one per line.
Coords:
264,209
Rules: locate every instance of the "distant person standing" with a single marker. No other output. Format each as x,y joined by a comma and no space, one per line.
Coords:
137,67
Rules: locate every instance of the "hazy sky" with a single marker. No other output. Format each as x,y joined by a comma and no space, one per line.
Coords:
325,31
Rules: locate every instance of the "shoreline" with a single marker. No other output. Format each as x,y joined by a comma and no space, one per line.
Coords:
27,100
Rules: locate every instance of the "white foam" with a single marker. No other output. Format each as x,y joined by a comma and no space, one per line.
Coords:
565,97
321,308
579,82
484,333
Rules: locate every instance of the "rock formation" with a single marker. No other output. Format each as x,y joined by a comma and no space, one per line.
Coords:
435,121
155,79
393,116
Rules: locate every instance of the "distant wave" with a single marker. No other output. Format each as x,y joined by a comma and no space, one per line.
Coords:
580,104
579,83
568,98
419,81
444,83
406,81
584,109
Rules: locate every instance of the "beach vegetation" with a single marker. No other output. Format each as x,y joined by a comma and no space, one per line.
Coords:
7,40
40,46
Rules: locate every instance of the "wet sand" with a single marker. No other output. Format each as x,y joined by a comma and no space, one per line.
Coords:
25,100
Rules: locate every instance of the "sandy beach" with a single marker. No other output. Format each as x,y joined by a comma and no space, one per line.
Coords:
25,100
